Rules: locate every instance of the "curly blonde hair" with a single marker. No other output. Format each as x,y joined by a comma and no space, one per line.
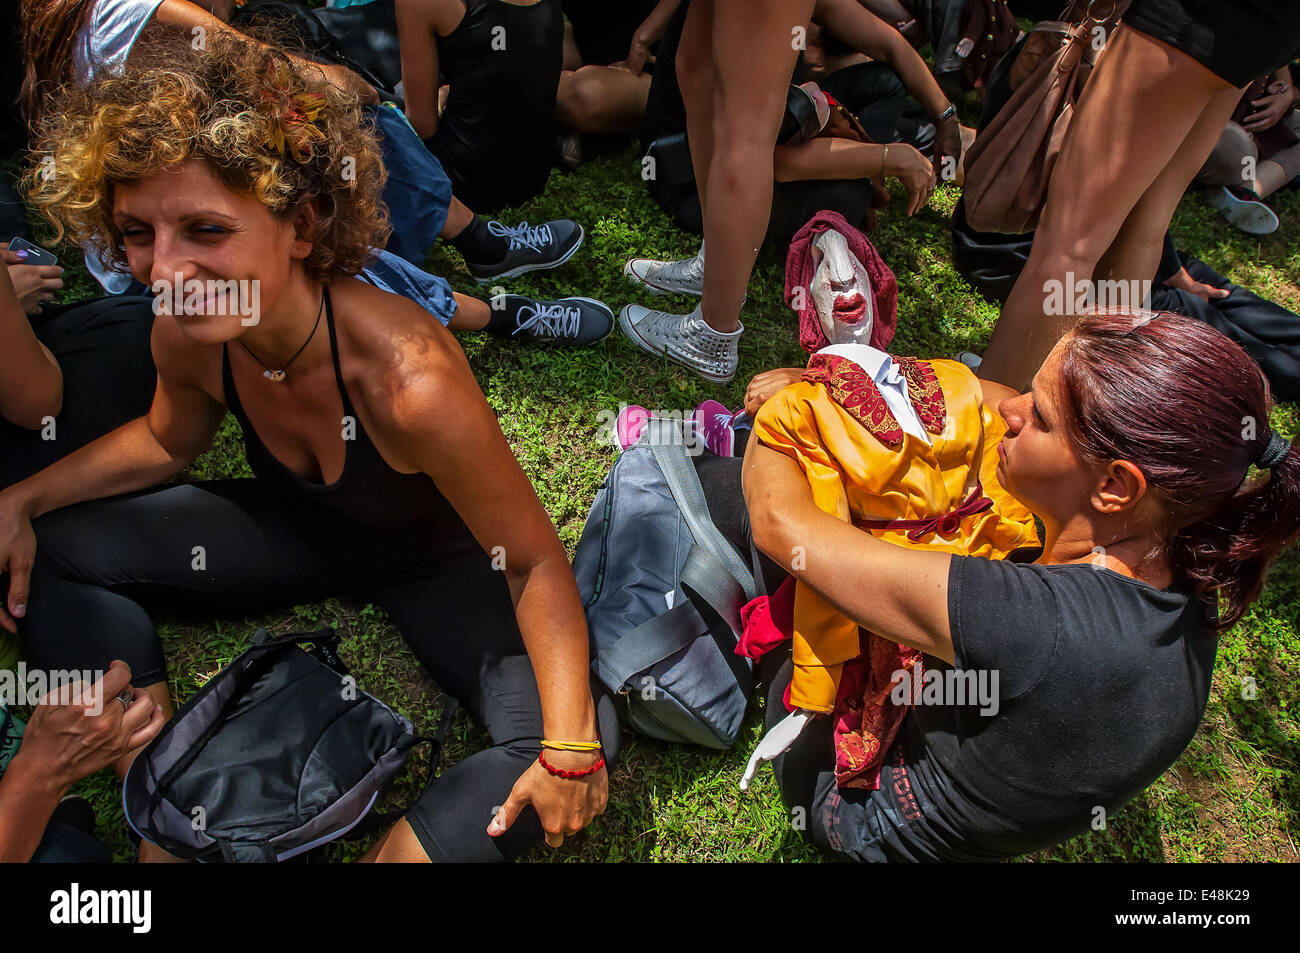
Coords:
270,128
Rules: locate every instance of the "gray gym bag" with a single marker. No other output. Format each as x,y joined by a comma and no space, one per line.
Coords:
663,591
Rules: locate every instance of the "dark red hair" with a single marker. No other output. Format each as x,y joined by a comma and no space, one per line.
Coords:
1189,408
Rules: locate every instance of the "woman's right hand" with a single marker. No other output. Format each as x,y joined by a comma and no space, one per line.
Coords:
17,555
914,170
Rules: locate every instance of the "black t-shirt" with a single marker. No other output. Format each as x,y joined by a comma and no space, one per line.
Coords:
1101,683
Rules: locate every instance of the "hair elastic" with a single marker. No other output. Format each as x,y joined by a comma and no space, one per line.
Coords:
1274,452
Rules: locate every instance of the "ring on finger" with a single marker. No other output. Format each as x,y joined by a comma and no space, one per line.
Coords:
125,696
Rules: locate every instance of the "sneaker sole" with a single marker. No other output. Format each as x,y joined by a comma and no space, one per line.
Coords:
524,269
629,330
656,289
1253,218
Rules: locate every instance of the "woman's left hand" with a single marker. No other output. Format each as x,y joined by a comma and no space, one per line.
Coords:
565,806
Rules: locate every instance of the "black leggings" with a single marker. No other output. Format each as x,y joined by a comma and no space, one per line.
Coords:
99,563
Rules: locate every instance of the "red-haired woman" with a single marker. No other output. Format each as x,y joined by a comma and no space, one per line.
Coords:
1135,448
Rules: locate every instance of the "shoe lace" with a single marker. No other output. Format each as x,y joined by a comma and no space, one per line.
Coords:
523,235
548,320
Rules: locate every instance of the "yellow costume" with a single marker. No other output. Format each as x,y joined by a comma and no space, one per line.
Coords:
862,466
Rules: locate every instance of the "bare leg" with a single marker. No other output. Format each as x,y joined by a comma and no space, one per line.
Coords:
1134,255
600,99
399,845
471,314
1272,174
151,853
696,79
458,216
1136,117
754,54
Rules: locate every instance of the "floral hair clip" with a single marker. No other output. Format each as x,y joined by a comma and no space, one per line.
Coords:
295,117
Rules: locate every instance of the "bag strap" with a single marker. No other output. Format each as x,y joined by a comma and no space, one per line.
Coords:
668,633
665,442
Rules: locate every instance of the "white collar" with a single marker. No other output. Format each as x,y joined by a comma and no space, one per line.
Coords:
882,370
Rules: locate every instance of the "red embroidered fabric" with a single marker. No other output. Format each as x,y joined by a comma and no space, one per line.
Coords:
926,393
853,389
866,717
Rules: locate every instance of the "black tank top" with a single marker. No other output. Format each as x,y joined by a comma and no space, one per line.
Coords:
496,136
372,513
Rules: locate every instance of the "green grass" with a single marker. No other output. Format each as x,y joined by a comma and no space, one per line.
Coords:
1234,795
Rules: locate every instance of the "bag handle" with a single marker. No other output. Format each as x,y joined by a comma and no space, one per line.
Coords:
665,441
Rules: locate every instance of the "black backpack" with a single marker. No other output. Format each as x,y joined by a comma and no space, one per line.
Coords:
278,753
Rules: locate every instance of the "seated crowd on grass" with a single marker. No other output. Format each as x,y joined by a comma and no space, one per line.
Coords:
990,589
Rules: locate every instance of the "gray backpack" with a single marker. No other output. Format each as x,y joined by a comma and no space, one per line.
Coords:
663,591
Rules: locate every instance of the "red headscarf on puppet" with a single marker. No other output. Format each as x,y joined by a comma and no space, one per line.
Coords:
799,271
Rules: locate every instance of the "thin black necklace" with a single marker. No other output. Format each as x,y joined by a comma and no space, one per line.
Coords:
278,376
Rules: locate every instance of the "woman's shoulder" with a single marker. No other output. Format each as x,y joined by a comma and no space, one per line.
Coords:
1065,587
1037,618
395,357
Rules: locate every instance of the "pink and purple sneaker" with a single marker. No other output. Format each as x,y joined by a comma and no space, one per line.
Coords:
717,426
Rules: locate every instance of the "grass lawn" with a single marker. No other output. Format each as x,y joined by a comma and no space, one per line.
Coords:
1234,795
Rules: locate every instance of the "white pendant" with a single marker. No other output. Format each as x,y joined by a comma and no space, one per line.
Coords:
273,375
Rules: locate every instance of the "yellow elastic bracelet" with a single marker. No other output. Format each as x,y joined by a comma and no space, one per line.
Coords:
571,745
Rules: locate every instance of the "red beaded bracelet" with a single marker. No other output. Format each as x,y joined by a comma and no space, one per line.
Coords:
571,775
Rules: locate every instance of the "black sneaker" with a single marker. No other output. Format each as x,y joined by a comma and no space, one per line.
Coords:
529,248
573,322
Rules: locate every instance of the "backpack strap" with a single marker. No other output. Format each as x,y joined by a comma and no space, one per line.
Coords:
668,633
665,441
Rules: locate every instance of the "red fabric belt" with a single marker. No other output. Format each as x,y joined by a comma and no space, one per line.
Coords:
944,525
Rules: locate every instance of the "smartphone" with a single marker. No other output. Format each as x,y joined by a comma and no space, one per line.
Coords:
36,255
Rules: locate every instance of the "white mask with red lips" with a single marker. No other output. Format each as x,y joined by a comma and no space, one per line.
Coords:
841,291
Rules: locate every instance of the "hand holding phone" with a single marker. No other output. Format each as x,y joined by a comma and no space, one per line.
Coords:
36,255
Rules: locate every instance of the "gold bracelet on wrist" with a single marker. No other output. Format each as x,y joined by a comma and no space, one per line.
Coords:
571,745
884,159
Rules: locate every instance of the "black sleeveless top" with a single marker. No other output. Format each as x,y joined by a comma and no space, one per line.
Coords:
496,137
372,513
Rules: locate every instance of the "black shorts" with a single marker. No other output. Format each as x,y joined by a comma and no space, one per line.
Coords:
1238,41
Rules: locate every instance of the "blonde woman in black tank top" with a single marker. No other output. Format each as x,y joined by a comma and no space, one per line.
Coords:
380,468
